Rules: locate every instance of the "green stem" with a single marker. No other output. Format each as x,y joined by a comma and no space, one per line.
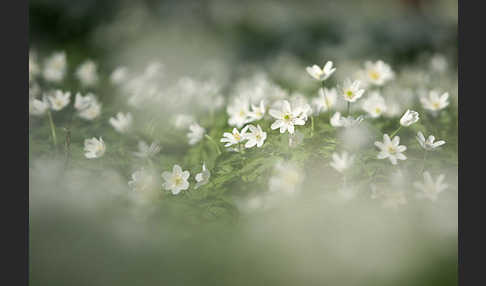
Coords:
395,132
53,128
349,108
214,142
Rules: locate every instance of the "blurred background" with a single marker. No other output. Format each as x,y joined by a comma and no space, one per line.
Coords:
92,237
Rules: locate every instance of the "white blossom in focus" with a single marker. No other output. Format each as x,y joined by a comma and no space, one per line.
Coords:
391,149
409,118
429,144
256,136
351,91
321,74
176,181
287,118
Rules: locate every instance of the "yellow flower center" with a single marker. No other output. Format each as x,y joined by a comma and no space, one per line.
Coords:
349,93
374,75
178,180
392,150
237,136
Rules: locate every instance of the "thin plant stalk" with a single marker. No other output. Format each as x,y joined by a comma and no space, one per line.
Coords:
53,128
396,131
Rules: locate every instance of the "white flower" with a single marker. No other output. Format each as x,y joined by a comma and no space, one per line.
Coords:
287,118
430,189
142,181
146,151
351,91
38,107
339,121
203,177
343,162
119,75
286,178
299,103
91,112
256,136
87,73
409,118
58,100
321,74
196,133
88,106
121,122
176,181
378,73
257,112
434,102
94,148
55,67
374,105
238,112
429,144
83,102
234,138
326,99
391,149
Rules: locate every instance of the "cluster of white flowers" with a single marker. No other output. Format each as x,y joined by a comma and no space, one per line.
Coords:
249,102
255,137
